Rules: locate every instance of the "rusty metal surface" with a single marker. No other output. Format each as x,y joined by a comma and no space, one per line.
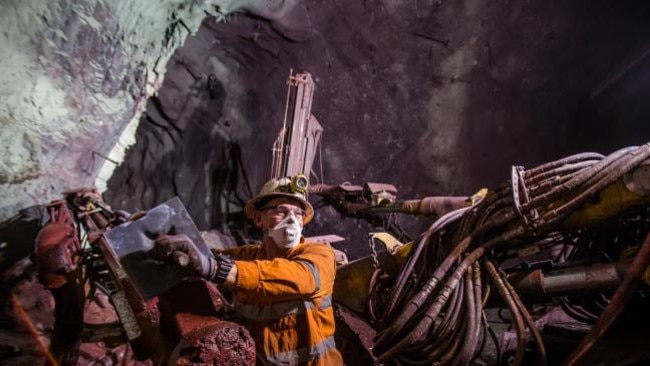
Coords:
582,280
540,286
222,343
434,206
200,336
58,251
295,147
529,285
205,300
380,194
354,339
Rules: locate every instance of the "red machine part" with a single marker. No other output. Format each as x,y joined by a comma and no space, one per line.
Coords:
58,251
221,343
58,254
195,331
183,326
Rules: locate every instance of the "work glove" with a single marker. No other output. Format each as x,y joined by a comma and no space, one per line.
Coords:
181,250
120,217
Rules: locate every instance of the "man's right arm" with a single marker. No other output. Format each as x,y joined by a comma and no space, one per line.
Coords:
181,250
245,252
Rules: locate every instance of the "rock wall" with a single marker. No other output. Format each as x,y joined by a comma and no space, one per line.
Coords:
75,76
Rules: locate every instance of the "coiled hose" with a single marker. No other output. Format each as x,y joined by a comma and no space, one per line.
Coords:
435,313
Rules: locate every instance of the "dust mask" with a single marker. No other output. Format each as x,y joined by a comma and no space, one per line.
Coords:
286,234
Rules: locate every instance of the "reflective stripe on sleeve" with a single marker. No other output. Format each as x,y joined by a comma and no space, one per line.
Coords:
314,273
278,310
302,354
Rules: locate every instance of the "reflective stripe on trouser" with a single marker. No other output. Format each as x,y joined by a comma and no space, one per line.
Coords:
300,355
279,310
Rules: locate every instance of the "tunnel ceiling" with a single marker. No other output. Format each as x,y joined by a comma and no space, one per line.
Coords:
438,98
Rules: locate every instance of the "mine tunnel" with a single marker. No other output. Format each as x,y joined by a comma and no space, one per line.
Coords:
480,179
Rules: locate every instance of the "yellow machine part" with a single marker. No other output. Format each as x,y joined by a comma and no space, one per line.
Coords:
612,200
352,283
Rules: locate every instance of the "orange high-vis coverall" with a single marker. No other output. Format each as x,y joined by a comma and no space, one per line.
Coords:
286,303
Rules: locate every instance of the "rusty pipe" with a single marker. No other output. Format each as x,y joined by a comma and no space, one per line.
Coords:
588,181
329,190
478,299
405,274
562,170
514,310
451,334
421,296
434,310
637,157
549,184
541,349
615,306
442,297
537,286
466,351
434,206
568,160
492,202
575,182
440,339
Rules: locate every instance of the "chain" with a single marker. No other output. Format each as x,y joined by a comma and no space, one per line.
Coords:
373,252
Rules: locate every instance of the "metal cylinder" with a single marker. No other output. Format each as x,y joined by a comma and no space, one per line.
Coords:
434,206
583,279
537,286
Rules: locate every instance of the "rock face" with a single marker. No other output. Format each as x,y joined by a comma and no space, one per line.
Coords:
75,76
78,74
437,98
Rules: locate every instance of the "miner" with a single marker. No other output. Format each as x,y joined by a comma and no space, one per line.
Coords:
283,287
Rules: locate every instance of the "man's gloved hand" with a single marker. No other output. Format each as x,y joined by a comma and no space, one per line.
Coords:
120,217
181,250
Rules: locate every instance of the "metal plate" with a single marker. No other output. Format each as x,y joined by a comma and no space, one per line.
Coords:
132,241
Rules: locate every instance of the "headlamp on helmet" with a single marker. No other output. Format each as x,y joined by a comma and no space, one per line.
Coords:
299,183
